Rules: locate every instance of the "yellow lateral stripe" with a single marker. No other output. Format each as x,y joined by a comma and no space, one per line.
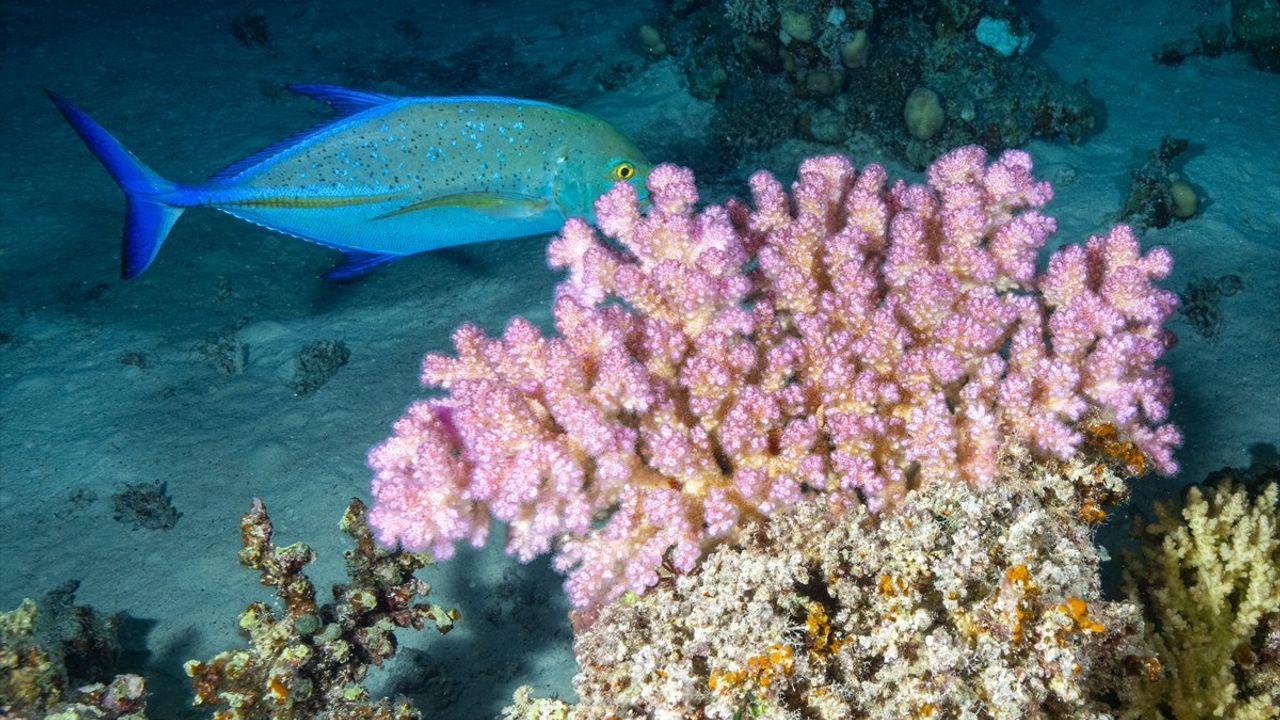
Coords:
472,200
294,201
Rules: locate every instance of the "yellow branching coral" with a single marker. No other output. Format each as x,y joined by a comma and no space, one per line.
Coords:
1209,581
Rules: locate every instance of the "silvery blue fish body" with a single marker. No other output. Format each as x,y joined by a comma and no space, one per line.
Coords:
390,176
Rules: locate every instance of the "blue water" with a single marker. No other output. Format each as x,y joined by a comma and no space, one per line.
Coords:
187,376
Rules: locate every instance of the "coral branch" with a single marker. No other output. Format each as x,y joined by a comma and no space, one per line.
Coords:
309,661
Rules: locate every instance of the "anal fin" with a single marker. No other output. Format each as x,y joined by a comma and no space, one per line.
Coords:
356,264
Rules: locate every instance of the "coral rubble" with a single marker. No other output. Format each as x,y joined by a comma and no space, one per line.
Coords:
1199,302
831,71
1151,201
963,603
57,660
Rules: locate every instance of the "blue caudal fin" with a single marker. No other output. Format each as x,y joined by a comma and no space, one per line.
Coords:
154,204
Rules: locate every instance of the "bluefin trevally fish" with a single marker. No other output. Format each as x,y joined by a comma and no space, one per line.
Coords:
389,176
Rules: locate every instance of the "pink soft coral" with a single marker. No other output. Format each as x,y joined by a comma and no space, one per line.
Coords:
855,337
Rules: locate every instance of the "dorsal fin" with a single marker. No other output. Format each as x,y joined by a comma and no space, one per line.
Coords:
344,101
245,163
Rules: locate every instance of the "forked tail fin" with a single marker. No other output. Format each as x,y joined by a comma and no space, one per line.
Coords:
151,199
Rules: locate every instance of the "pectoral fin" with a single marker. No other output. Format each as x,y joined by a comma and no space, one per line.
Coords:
499,205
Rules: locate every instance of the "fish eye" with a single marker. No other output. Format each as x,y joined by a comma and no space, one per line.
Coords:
623,171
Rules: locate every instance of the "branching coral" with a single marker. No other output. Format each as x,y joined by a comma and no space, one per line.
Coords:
1209,581
309,660
855,337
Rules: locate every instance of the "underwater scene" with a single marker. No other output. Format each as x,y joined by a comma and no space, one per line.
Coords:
706,359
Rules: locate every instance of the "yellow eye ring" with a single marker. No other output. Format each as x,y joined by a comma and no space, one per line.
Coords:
624,171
